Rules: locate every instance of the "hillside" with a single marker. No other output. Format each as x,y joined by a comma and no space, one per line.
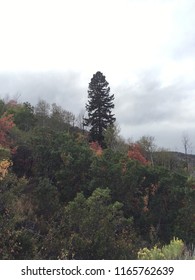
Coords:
63,197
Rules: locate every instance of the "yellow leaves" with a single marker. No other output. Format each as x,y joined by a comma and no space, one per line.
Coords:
153,254
4,165
172,251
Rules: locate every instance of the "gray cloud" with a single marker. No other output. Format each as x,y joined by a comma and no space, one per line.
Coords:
55,87
149,108
149,102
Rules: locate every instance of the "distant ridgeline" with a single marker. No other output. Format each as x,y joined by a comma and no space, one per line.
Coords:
175,161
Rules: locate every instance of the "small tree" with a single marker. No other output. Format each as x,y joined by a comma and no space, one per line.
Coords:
99,108
113,140
187,146
147,145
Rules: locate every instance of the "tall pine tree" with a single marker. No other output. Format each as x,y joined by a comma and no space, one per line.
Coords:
99,106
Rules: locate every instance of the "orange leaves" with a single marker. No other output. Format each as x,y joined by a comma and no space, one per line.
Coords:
96,148
135,153
146,200
6,124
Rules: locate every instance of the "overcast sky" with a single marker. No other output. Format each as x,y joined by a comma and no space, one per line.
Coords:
50,49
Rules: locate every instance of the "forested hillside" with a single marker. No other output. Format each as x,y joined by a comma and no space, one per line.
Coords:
65,197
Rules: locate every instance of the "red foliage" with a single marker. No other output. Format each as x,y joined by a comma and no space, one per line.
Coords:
95,147
135,153
6,124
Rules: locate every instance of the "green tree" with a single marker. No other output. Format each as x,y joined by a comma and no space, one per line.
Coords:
45,157
60,119
17,236
2,107
99,108
95,228
185,222
42,112
24,117
75,157
23,114
113,140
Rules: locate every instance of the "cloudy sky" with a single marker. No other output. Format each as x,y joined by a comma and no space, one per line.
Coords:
50,49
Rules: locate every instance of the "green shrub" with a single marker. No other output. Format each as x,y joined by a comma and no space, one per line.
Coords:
173,251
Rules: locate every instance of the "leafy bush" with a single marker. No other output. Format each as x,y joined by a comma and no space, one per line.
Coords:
174,251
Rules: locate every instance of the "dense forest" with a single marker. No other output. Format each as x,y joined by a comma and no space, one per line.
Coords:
66,196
